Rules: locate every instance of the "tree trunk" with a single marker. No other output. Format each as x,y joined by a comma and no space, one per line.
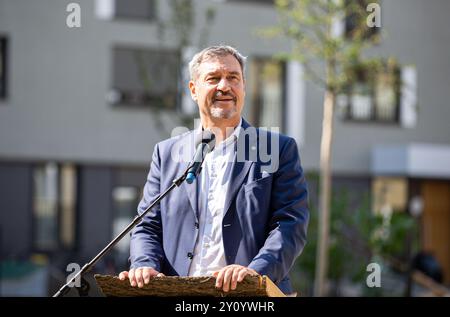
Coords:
325,194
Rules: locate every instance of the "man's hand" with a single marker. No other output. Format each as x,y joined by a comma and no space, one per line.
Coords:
140,276
228,277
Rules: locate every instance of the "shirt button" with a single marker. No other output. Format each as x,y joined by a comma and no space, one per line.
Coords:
206,245
190,255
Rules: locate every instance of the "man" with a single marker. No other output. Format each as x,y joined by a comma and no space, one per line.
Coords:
239,217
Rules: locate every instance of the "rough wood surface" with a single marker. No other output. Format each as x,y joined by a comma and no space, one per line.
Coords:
258,286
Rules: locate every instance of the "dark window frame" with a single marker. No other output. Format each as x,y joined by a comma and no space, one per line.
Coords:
4,47
139,100
374,107
256,105
152,15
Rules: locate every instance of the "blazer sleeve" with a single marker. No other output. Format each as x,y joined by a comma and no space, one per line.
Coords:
289,219
146,238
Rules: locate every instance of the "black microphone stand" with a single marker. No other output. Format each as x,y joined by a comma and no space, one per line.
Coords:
84,287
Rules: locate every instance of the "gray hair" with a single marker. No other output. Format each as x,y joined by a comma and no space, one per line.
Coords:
214,51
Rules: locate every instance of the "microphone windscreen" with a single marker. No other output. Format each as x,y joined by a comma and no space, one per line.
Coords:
208,137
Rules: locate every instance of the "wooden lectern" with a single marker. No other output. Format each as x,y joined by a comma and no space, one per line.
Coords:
254,286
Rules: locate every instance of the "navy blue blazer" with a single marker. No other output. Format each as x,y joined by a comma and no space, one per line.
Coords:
265,213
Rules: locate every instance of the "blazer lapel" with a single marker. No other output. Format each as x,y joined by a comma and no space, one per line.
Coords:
240,170
191,189
240,167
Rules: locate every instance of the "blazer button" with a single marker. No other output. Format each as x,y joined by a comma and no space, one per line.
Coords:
196,225
190,255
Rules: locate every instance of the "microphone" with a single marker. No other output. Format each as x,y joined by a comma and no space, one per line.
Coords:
205,146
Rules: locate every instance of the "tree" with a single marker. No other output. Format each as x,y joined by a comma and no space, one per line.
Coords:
330,59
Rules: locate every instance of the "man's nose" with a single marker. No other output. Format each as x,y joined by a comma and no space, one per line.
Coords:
223,85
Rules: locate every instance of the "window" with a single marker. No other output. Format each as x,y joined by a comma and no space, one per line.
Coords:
144,10
54,206
3,66
135,9
144,77
374,95
125,201
267,92
127,189
357,16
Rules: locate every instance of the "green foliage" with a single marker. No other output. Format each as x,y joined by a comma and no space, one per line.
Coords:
325,55
357,237
336,62
394,229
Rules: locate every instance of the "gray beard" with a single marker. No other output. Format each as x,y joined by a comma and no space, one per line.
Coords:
220,113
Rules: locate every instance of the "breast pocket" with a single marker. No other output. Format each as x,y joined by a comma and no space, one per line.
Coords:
259,183
255,199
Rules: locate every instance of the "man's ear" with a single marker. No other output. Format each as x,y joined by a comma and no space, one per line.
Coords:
192,90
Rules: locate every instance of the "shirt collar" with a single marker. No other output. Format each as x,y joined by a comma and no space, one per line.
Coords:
233,137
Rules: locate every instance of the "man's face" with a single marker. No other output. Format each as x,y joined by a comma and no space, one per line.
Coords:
219,88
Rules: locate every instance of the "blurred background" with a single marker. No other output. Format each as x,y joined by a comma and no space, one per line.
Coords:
84,99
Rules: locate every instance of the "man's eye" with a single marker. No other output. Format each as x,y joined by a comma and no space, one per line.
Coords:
212,79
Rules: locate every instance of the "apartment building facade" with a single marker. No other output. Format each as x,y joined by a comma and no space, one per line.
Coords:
81,109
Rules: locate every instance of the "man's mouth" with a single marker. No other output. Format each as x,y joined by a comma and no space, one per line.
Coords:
224,99
221,97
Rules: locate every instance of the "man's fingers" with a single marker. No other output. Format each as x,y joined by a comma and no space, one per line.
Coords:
160,275
235,276
146,275
227,279
131,277
139,278
149,272
123,275
219,278
241,275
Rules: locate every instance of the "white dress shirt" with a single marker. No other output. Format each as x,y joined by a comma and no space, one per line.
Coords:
213,181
